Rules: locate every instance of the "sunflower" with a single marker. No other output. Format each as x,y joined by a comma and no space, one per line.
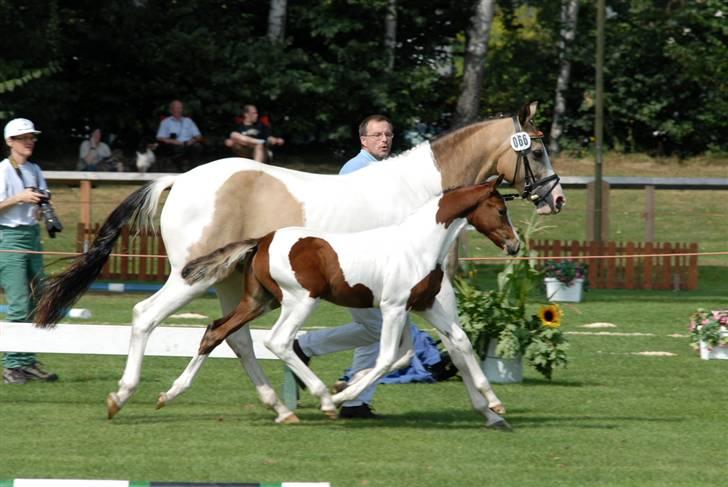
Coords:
551,315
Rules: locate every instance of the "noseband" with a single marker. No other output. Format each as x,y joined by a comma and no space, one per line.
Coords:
521,143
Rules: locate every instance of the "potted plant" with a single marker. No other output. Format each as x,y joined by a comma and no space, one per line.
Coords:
565,280
502,332
709,333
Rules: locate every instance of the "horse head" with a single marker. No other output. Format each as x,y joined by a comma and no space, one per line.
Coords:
528,162
490,217
475,152
485,209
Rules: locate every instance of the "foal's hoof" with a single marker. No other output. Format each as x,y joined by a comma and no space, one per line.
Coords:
290,419
112,407
498,408
330,413
162,401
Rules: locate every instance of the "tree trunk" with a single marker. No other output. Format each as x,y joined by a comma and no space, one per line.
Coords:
567,33
478,33
277,20
390,32
468,104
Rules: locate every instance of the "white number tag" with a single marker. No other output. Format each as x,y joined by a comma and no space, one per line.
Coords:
520,141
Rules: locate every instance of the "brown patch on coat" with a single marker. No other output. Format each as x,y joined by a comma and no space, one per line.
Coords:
423,294
317,269
248,205
261,269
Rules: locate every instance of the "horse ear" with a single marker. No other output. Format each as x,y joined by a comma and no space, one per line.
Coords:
527,112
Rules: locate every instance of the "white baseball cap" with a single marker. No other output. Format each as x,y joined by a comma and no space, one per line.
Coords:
19,126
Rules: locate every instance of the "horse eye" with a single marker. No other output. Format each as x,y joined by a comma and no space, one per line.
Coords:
503,211
538,153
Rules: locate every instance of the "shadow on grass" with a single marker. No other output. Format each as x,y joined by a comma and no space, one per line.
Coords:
586,422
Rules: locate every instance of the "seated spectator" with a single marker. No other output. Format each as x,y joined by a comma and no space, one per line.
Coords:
253,138
179,138
94,154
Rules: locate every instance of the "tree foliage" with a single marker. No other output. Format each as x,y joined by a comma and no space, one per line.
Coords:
118,63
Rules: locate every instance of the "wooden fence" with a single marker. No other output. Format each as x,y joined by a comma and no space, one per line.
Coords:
119,267
661,271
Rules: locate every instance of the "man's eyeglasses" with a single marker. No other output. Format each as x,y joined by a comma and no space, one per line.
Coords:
25,138
379,135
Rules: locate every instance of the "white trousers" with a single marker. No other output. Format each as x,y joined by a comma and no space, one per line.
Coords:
362,335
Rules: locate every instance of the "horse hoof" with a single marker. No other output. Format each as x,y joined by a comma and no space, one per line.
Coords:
162,401
339,386
112,407
330,413
498,408
290,419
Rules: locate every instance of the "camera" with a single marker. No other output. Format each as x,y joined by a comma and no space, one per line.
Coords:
52,222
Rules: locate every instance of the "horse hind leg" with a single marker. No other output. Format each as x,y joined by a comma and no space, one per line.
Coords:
241,342
248,309
280,342
147,315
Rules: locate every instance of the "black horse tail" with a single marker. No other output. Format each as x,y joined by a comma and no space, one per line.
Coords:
60,292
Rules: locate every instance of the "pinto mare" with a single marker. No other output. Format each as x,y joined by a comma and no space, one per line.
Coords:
235,199
396,268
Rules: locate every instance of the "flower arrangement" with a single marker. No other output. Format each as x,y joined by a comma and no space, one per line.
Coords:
566,271
501,314
706,326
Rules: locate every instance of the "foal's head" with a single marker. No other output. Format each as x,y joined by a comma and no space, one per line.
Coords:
485,209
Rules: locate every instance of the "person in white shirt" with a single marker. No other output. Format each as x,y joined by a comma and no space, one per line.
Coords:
20,180
93,153
179,138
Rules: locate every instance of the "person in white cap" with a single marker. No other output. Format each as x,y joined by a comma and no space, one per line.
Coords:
19,230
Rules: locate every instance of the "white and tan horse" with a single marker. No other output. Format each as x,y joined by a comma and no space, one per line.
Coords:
236,199
398,269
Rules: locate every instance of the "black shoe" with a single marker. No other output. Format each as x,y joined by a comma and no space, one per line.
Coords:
304,358
363,411
35,372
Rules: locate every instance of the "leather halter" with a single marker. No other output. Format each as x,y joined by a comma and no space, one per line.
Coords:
531,184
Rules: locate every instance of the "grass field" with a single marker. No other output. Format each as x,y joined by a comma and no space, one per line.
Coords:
611,418
614,416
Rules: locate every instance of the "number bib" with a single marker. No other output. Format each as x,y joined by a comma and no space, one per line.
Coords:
520,141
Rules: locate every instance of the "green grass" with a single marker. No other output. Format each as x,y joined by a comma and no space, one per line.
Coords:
610,418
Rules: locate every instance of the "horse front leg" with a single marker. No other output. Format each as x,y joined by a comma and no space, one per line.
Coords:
147,315
443,316
229,292
392,351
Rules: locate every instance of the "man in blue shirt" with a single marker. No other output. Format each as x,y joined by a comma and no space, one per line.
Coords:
375,135
179,138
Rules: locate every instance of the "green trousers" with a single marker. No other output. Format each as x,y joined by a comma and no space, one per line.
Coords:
20,277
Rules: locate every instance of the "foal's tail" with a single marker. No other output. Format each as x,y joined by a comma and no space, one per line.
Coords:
216,265
61,291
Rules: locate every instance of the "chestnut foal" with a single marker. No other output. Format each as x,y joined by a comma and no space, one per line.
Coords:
396,268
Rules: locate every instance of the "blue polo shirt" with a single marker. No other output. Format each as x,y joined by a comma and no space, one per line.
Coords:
361,160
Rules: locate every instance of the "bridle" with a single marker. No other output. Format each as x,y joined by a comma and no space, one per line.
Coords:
521,143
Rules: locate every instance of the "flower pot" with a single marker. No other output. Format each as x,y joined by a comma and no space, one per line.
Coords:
500,370
558,291
719,353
